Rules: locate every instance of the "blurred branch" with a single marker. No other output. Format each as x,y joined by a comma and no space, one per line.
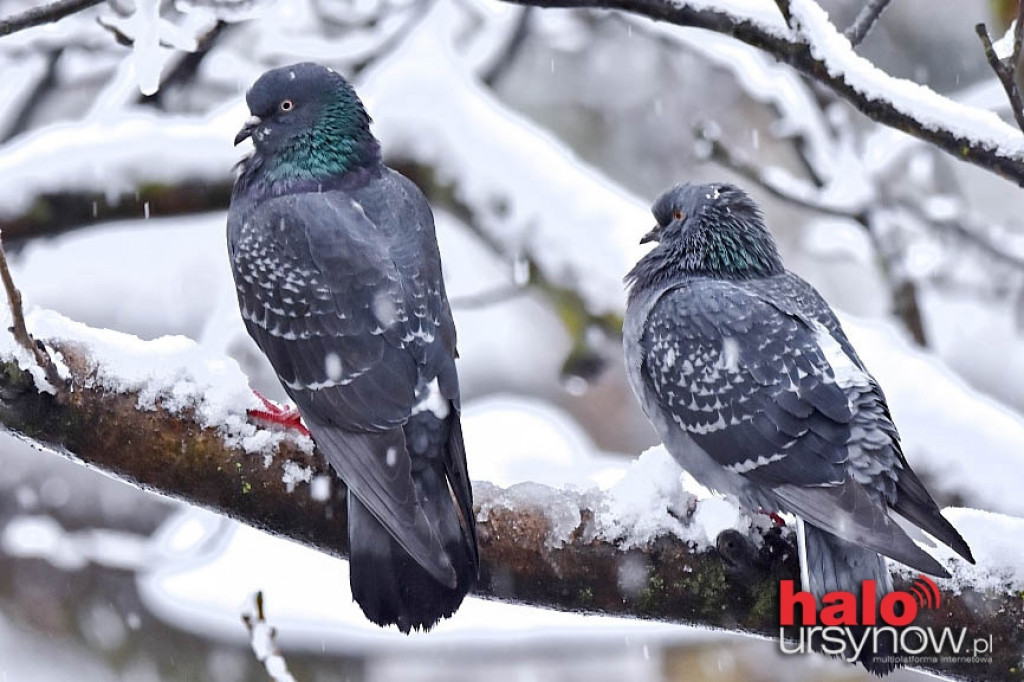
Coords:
799,50
44,14
35,98
507,55
734,586
57,212
489,297
188,65
1006,69
865,21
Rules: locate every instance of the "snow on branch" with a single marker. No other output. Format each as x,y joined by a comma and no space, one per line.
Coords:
811,44
170,417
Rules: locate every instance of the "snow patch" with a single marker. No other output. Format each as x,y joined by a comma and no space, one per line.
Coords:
173,372
295,473
561,508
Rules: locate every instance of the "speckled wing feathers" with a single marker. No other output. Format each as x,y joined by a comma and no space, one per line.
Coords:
748,383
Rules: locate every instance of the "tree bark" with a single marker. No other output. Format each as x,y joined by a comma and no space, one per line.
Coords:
734,586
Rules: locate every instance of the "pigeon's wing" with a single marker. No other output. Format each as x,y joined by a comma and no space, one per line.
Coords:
351,329
773,397
750,384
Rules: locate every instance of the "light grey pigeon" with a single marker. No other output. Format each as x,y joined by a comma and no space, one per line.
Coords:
748,378
339,283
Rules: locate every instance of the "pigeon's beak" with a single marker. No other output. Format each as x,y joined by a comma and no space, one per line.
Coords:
651,236
247,130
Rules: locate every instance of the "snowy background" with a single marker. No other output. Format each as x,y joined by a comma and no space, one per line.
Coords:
540,137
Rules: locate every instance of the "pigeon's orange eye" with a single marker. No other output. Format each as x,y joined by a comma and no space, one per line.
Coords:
678,215
287,105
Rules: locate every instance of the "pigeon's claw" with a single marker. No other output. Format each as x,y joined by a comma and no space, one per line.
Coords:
289,417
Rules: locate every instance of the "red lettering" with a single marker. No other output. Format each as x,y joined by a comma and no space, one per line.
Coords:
789,598
888,608
839,608
869,603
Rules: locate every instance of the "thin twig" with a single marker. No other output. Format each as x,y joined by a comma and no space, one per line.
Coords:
44,15
35,98
787,13
263,638
1006,69
507,56
865,21
20,331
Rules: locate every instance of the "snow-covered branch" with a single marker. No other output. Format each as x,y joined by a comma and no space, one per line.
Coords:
812,45
170,417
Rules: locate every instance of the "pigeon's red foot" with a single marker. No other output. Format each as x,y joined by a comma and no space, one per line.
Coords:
275,414
776,519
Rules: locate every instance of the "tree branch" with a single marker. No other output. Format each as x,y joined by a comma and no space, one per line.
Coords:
990,147
733,586
1006,69
45,14
865,21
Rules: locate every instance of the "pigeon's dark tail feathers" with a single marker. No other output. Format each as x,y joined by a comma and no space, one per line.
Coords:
387,583
830,564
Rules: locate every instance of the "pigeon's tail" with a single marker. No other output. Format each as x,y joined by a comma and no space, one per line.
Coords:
830,564
387,583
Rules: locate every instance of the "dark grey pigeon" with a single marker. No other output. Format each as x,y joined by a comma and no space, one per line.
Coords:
752,385
339,283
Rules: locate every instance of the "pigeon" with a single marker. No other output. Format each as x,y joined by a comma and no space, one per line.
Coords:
746,375
339,283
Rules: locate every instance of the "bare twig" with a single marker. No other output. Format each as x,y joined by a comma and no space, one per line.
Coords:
44,15
35,98
1006,69
865,21
20,331
263,639
507,56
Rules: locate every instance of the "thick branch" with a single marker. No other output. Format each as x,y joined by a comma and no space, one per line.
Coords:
44,14
793,48
734,587
865,21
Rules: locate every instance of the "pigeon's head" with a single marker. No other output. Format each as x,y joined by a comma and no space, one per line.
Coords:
309,116
715,230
